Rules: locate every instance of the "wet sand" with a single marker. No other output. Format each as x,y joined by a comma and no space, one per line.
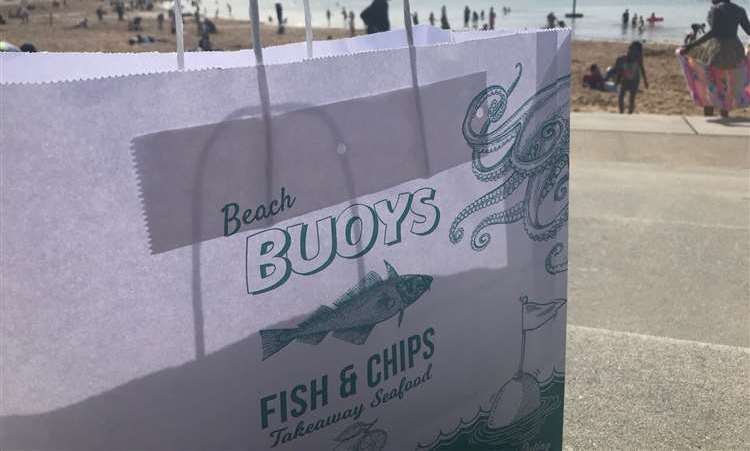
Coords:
667,94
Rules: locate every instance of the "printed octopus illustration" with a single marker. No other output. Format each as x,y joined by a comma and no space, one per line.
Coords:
531,147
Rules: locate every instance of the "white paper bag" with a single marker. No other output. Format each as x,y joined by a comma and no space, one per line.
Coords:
309,256
41,67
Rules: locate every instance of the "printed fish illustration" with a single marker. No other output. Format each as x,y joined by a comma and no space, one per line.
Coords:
354,315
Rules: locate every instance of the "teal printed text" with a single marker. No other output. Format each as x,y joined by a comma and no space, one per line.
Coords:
295,402
233,221
399,357
284,435
273,255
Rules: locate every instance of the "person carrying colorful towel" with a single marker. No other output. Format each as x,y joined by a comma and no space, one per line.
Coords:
716,65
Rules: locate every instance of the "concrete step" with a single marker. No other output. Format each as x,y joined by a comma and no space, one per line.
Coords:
658,123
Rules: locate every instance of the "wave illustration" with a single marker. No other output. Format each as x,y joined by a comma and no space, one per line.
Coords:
539,429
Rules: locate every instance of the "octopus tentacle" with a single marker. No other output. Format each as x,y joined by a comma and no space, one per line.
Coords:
498,102
480,239
550,265
533,145
498,170
496,195
537,191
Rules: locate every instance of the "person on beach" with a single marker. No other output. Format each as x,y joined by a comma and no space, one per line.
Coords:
722,51
229,9
634,21
375,17
160,21
551,20
594,79
493,16
444,19
626,18
328,17
467,16
209,26
432,19
344,15
280,18
352,30
24,14
205,43
120,9
475,20
628,70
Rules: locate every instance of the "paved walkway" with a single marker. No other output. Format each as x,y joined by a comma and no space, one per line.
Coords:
659,283
656,123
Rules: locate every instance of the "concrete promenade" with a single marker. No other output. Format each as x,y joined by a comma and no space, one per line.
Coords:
659,283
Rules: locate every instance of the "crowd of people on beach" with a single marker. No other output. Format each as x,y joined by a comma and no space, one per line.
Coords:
715,44
375,18
719,76
638,22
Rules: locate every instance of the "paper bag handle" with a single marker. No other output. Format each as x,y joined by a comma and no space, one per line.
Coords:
415,87
308,28
179,34
407,24
255,24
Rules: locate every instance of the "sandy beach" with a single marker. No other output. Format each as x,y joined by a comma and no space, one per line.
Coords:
52,28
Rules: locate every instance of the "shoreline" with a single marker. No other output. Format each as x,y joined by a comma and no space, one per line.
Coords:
668,93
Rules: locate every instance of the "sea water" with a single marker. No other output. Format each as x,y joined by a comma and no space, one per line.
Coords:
601,20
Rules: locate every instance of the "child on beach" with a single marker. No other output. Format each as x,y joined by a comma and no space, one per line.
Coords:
594,78
627,71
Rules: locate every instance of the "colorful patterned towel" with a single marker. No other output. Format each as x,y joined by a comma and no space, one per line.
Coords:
726,89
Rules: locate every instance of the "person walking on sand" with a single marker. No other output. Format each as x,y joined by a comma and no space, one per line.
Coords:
444,19
280,17
375,17
721,50
120,9
628,70
24,14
